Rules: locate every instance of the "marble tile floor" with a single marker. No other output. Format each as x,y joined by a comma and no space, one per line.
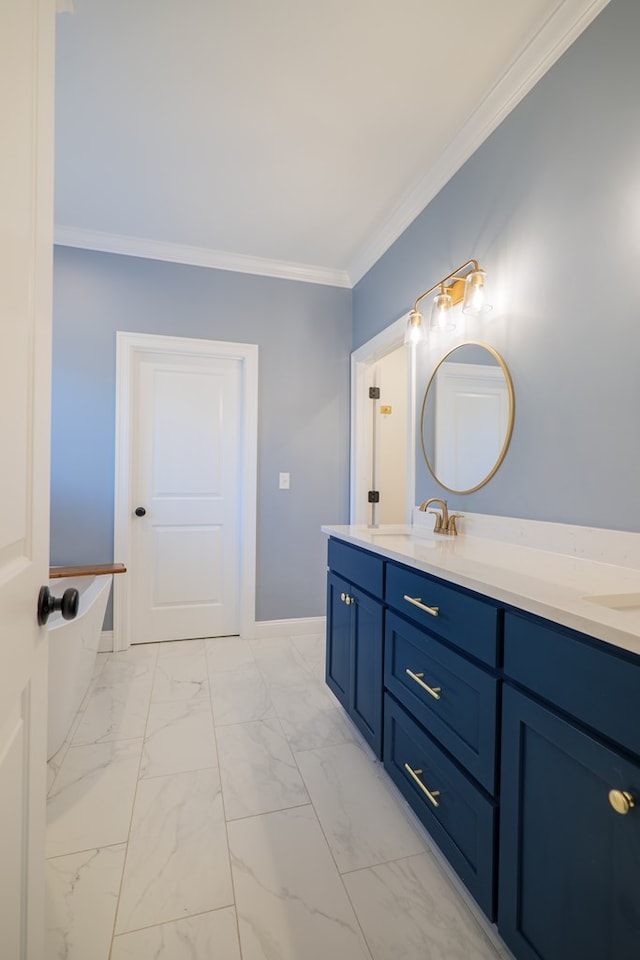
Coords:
213,802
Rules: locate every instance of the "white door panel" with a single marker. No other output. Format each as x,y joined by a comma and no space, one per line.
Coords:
472,415
186,474
196,579
26,230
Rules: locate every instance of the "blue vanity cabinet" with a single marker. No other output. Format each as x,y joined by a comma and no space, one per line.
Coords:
453,699
569,862
460,817
355,637
515,740
366,668
462,618
338,659
440,717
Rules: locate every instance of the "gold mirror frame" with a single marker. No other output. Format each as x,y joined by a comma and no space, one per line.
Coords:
507,439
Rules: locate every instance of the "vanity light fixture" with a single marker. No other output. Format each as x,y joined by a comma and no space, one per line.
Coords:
466,285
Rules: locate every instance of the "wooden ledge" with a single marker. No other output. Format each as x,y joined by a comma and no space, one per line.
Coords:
90,570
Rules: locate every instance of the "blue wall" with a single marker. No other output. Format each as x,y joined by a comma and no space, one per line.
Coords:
304,335
550,206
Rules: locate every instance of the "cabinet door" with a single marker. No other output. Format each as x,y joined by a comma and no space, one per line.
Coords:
568,862
338,665
366,669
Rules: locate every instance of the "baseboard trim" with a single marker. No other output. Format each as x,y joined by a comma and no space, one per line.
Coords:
303,626
105,644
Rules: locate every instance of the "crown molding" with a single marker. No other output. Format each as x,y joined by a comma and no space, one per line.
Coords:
65,236
569,19
557,33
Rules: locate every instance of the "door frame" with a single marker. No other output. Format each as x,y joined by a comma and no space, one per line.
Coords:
128,346
362,360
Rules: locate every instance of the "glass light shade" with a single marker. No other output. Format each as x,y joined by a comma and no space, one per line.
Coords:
416,331
441,315
475,301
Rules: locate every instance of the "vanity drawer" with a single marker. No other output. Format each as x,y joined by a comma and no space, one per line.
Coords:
460,710
463,619
463,824
591,680
359,567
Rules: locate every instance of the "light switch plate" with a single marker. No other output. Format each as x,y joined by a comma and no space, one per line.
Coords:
284,481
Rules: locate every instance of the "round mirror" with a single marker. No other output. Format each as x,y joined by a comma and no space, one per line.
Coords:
467,417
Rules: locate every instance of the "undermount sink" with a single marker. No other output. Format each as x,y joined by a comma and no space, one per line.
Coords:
617,601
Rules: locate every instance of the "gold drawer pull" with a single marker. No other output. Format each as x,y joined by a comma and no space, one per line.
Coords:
417,602
435,692
430,794
621,801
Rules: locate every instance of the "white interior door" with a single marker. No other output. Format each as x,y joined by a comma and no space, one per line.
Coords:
185,558
26,231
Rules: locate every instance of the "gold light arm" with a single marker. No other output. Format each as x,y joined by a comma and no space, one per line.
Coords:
450,276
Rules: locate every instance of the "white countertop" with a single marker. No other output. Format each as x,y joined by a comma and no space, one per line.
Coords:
551,585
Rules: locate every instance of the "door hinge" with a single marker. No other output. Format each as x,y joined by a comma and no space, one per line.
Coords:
374,496
374,393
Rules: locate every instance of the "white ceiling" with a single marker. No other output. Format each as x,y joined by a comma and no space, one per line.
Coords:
286,137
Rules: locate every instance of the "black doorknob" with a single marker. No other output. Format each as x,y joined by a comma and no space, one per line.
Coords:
140,511
67,604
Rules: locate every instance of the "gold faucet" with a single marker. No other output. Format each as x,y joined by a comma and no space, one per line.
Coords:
445,522
442,519
452,530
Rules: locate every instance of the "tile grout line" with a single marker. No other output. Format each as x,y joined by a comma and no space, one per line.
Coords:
412,819
224,811
164,923
75,853
321,828
133,806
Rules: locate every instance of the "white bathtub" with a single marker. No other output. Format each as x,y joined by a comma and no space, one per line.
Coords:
73,645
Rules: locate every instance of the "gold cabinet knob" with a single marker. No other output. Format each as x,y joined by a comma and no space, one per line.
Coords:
343,597
621,801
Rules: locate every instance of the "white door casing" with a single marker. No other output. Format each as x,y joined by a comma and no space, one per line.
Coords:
363,361
185,452
26,244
